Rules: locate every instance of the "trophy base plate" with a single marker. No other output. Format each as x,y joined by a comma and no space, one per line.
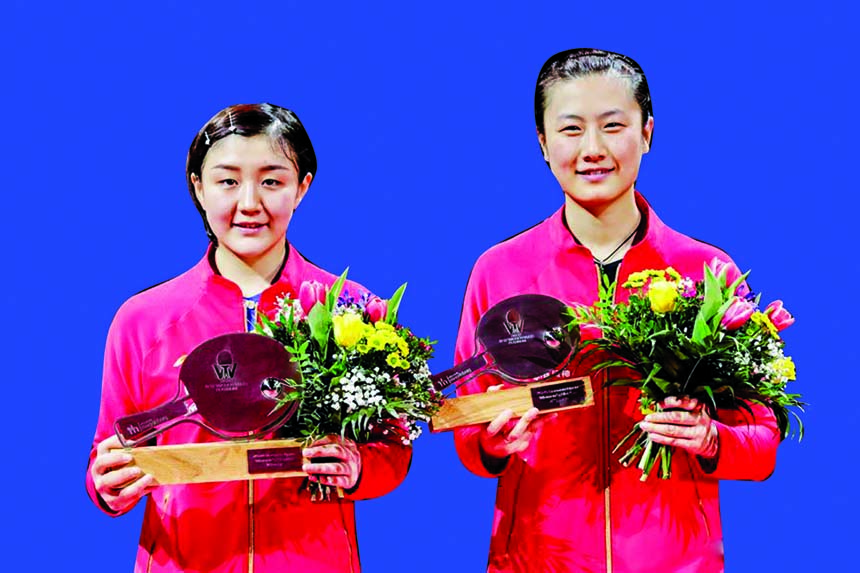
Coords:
549,396
219,461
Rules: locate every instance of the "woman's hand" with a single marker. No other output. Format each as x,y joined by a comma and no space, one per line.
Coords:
687,425
120,487
503,436
333,461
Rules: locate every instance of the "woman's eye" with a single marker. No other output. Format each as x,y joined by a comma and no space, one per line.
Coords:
271,182
614,125
571,129
228,182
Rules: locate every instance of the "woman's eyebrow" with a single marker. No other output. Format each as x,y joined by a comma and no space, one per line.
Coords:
601,116
272,167
615,111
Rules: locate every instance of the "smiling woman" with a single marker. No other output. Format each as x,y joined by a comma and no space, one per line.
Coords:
249,190
248,169
564,501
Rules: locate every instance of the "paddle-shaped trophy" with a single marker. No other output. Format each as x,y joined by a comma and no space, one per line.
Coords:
230,385
524,340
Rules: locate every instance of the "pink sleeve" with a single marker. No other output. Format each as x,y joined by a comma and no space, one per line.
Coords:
748,443
116,401
384,465
475,303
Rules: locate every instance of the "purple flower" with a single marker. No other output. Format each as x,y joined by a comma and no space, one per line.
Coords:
688,288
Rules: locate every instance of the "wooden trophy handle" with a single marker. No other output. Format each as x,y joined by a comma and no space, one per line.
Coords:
552,396
219,461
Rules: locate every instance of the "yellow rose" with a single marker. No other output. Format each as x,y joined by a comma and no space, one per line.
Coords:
348,329
662,294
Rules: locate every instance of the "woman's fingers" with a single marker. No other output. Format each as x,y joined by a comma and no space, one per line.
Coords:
502,437
125,495
523,424
325,451
333,461
684,402
114,481
327,468
336,481
496,426
108,462
107,459
134,491
110,443
679,417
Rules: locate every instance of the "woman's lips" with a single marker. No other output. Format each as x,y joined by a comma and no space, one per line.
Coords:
595,175
249,228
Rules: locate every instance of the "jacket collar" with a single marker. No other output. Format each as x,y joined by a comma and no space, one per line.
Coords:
289,280
647,247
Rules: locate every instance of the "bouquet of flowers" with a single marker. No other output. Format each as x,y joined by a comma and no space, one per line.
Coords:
363,375
706,340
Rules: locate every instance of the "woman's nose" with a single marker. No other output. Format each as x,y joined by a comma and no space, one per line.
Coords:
249,197
593,148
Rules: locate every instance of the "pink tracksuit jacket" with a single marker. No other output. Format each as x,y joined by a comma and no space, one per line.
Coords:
566,504
261,526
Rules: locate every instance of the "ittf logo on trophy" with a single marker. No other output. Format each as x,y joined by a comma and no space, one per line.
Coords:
514,322
225,367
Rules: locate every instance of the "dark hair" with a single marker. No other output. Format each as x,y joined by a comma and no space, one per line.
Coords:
580,62
248,120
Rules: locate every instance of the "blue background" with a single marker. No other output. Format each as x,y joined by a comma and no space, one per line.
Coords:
421,116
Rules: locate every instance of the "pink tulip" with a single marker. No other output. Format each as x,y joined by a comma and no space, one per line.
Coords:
376,309
730,272
718,266
310,293
780,317
738,313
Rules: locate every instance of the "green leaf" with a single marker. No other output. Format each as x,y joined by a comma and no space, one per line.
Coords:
265,321
335,290
710,394
319,320
718,316
734,286
394,304
701,330
713,296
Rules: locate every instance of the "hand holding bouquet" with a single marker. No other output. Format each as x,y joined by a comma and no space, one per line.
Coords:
691,348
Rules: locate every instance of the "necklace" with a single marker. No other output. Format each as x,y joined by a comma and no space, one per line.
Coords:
605,259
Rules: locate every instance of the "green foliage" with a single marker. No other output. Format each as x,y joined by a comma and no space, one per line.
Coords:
319,321
686,351
354,391
394,305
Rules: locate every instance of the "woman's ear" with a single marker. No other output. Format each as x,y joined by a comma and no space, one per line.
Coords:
647,131
198,188
303,187
542,143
